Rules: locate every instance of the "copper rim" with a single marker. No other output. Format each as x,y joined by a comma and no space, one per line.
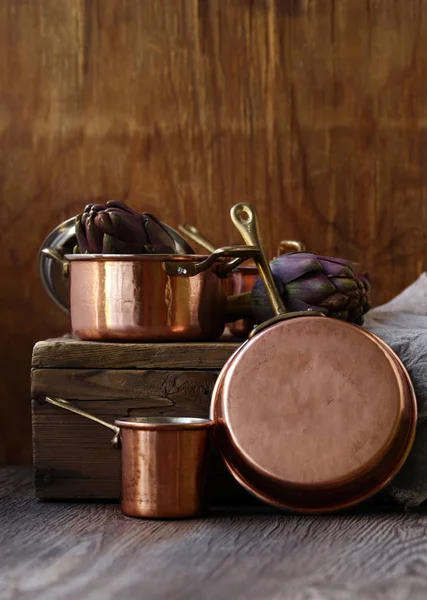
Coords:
138,257
163,423
311,499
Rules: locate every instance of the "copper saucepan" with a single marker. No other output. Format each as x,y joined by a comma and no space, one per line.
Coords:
163,462
243,278
312,414
63,240
148,297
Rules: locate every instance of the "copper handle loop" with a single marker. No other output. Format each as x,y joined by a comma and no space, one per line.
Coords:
189,269
245,219
61,403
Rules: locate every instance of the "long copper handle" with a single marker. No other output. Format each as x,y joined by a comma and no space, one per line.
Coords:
194,234
61,403
245,219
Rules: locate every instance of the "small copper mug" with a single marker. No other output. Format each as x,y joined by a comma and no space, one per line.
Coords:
163,462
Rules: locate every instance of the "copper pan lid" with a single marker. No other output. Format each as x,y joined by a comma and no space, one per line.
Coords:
314,414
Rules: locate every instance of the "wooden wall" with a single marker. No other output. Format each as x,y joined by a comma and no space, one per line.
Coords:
314,110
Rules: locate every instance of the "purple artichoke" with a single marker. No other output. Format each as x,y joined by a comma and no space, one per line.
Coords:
307,281
114,228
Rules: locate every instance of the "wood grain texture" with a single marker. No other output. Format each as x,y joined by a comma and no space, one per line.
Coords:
314,110
153,389
59,353
68,551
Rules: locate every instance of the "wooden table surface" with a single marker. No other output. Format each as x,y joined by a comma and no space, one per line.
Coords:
75,551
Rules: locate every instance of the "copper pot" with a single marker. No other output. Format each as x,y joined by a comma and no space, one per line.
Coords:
312,414
62,239
163,462
148,297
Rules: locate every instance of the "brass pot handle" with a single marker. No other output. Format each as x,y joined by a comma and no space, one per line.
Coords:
194,234
61,403
189,269
290,246
245,219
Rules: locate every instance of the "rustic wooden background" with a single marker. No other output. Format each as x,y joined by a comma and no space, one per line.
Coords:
314,110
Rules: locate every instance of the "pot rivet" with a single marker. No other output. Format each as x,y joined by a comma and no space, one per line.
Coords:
181,271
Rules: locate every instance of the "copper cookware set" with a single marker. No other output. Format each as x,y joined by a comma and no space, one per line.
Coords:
310,414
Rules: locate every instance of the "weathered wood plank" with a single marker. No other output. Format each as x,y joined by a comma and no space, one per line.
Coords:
12,480
152,388
68,353
69,551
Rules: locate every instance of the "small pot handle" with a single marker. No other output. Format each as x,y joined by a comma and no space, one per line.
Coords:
54,254
290,246
61,403
189,269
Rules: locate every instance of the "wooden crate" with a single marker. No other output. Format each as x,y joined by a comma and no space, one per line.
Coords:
73,457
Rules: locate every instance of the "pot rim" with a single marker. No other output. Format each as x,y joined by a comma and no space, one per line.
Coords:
138,257
244,269
163,423
135,257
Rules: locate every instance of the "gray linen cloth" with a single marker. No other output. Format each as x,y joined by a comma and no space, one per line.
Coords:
402,324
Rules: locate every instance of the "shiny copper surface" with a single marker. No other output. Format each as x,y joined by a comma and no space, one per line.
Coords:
242,280
133,298
330,431
164,464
